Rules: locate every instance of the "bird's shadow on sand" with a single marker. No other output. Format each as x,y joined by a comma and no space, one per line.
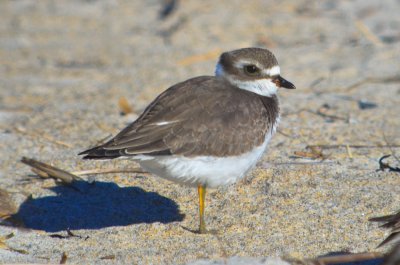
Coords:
94,206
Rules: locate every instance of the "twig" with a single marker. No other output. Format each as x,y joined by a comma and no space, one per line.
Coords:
300,163
316,153
69,235
368,33
45,171
166,34
103,140
3,244
284,134
108,171
388,79
349,153
106,128
383,166
108,257
316,82
21,109
319,112
334,146
41,135
63,259
50,171
347,258
390,148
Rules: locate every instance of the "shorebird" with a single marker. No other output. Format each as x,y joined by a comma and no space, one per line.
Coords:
207,131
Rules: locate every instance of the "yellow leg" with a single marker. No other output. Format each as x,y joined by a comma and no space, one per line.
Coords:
202,195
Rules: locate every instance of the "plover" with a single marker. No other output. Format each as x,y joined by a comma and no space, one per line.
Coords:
207,131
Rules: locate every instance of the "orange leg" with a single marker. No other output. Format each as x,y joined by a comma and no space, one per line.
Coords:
202,195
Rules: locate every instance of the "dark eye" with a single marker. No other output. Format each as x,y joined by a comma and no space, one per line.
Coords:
251,69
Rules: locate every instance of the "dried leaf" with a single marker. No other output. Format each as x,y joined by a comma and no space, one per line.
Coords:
3,244
315,153
64,258
124,106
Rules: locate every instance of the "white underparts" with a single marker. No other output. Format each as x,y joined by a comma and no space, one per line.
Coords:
206,170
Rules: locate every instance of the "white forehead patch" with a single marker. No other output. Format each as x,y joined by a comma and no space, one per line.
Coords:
275,70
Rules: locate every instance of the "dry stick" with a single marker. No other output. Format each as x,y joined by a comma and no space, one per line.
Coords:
45,169
368,33
21,109
318,113
349,153
334,146
284,134
41,135
325,115
390,147
323,162
112,256
64,258
108,171
388,79
347,258
106,128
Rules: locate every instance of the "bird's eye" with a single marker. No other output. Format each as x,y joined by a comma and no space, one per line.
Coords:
251,69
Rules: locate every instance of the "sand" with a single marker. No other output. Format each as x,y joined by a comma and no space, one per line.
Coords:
65,65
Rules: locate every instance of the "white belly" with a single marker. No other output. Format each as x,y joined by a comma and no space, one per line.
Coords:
206,170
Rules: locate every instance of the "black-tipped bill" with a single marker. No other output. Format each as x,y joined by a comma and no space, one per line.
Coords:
282,82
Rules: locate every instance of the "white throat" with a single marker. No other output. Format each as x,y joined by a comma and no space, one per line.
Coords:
263,87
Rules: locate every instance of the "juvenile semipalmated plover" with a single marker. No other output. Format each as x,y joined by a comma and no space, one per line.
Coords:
209,130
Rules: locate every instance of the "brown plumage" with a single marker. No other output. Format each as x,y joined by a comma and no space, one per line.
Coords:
201,116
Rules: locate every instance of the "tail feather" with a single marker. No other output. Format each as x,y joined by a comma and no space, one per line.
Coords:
99,152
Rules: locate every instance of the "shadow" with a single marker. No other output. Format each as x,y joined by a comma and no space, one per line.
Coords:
94,206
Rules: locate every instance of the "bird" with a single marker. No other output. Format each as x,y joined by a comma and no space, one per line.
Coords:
207,131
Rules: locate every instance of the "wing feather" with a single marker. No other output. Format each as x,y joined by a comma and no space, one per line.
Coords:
196,117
